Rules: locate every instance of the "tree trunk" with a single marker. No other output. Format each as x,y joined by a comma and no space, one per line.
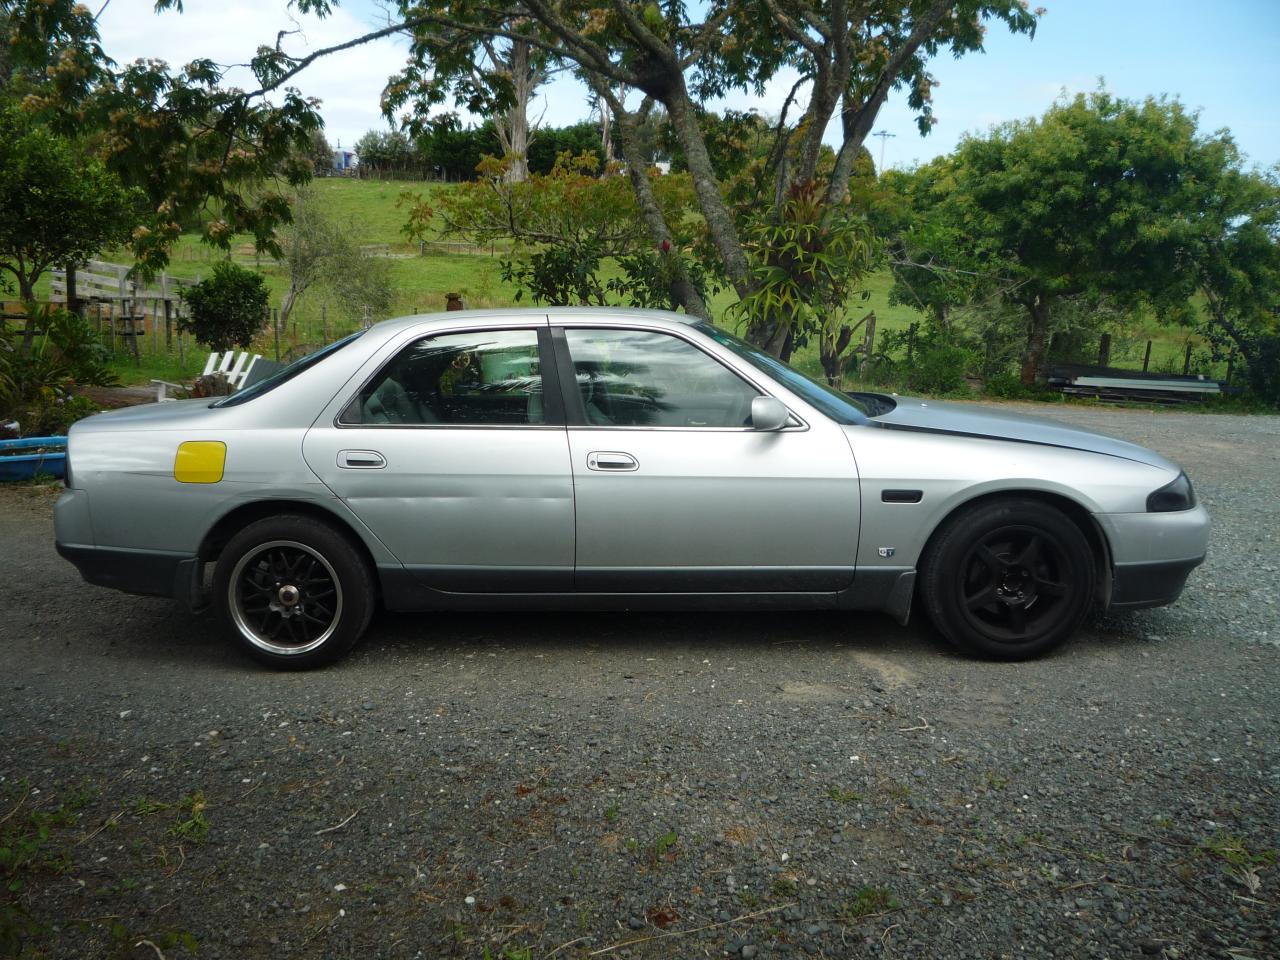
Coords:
724,233
683,292
1037,338
73,301
513,129
942,317
27,294
287,303
606,132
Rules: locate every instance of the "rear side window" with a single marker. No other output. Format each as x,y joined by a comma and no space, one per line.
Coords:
639,378
476,378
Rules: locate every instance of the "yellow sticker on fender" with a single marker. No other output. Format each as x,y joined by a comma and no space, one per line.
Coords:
200,461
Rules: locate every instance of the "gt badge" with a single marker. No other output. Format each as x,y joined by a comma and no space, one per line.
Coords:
885,551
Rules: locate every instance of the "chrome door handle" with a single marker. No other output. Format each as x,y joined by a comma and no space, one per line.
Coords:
612,461
361,459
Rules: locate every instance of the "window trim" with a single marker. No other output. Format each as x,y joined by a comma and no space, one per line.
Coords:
553,405
575,411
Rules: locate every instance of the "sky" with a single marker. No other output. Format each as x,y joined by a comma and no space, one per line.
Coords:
1221,58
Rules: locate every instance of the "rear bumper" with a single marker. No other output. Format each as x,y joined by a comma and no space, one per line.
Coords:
149,573
1152,584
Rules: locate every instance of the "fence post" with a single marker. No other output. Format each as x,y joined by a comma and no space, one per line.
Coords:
1104,351
1146,360
868,344
1186,362
324,322
168,312
275,325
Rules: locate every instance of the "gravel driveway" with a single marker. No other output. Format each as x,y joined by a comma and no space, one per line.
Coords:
513,786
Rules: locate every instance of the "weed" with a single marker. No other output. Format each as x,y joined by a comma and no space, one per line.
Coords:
995,782
899,791
195,827
748,899
613,811
867,902
784,886
840,795
664,843
143,807
1234,851
509,952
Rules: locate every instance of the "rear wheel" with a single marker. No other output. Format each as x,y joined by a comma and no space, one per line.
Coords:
1008,579
293,591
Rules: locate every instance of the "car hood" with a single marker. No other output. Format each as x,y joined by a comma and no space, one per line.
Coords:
965,420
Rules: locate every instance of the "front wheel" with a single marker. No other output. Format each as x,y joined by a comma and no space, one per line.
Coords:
1008,579
293,591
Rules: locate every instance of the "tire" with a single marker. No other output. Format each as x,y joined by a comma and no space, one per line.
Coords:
1008,579
293,592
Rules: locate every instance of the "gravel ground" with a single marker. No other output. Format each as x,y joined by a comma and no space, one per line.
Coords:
789,785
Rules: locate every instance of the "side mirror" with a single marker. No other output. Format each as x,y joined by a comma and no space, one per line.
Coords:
768,414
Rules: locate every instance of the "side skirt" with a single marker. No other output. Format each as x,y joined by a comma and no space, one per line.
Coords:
887,589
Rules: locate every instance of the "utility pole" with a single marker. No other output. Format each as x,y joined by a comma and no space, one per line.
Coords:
884,136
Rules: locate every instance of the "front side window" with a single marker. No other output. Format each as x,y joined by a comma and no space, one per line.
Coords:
476,378
639,378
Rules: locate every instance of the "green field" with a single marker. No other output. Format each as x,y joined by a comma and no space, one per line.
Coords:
368,209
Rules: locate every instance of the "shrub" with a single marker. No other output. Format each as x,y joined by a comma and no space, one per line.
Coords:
938,368
228,309
1005,385
37,373
52,416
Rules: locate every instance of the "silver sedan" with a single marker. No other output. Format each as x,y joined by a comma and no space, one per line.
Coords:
610,459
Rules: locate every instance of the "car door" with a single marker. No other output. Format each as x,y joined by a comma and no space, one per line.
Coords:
453,454
675,492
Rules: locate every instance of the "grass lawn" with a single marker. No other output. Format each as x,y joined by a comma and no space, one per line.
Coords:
369,207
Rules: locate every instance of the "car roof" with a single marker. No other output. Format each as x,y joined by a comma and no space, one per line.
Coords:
508,314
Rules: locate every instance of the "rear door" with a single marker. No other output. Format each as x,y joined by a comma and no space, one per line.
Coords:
455,456
676,493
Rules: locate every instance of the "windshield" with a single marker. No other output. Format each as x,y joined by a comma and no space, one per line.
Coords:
840,407
284,374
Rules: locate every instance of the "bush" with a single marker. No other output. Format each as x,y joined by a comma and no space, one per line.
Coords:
228,309
938,368
52,416
1006,385
36,377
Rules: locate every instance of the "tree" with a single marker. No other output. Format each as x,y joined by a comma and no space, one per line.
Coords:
385,152
309,248
228,309
1239,268
852,56
1099,196
320,153
178,136
564,225
808,265
56,205
526,70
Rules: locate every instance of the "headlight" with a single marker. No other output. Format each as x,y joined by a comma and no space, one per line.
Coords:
1177,495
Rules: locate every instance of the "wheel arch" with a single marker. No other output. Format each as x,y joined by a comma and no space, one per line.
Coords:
236,519
1076,512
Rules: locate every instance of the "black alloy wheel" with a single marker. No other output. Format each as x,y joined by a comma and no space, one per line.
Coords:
1009,579
294,592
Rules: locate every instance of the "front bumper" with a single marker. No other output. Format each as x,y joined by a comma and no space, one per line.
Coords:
1138,585
1152,554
